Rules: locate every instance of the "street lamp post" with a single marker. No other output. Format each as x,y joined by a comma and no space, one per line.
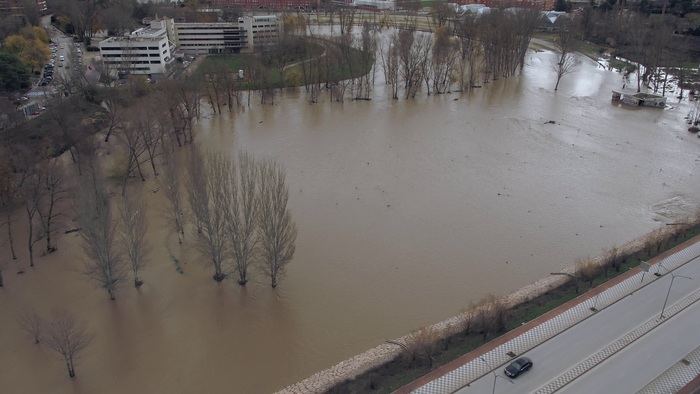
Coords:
495,376
673,277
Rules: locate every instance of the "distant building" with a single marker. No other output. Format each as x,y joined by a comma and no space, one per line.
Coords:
148,50
16,7
244,35
144,51
265,29
219,37
248,5
377,4
477,9
538,4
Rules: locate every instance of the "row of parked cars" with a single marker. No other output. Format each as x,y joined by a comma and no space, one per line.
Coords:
47,76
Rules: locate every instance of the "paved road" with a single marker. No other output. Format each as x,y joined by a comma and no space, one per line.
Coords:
41,94
645,359
577,343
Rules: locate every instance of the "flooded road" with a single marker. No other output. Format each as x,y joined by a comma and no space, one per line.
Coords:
407,211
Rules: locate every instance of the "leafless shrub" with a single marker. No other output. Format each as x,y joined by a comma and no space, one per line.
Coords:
420,345
31,323
491,314
67,337
587,270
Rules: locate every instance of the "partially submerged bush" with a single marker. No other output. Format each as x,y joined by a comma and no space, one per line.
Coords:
419,346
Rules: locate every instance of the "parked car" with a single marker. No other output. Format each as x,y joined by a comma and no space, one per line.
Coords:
518,367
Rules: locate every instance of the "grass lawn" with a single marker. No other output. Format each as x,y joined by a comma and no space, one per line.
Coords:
291,76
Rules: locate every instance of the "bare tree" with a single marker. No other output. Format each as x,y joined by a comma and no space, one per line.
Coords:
98,233
132,139
566,43
390,63
445,55
133,232
114,113
54,192
241,214
31,323
67,337
206,184
32,193
276,228
10,187
170,182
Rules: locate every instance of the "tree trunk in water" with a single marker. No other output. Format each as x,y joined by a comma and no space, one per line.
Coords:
49,248
1,281
30,244
9,236
111,294
71,370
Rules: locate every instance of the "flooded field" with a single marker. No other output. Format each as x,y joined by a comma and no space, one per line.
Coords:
407,211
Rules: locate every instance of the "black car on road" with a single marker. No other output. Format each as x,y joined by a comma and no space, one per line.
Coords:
518,367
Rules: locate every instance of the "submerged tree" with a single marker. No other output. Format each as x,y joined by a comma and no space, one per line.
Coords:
32,194
170,182
97,230
31,323
566,43
67,337
276,228
241,214
206,184
133,233
54,192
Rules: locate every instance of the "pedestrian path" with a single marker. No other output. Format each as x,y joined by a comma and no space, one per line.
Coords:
480,366
617,345
674,378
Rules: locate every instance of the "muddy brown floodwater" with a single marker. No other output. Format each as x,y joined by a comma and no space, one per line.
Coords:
407,211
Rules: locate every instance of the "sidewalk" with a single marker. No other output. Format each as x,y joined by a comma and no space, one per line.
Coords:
470,367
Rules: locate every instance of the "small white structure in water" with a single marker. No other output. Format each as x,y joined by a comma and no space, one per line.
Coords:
639,99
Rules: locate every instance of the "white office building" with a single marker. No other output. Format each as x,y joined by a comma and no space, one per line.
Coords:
244,35
264,28
144,51
218,37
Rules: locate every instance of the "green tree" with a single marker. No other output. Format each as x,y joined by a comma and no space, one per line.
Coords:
32,50
13,73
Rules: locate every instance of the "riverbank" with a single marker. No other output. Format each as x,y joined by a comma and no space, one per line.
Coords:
395,363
